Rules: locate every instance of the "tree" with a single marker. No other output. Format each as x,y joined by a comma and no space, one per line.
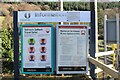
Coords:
100,23
4,11
10,9
7,45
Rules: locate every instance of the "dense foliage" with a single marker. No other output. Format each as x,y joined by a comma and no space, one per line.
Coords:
7,46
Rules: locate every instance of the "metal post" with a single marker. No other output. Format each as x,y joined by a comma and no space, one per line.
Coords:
16,46
96,26
92,39
105,42
105,37
61,7
117,25
96,30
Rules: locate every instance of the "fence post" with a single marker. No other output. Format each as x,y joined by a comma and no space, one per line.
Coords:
105,42
117,27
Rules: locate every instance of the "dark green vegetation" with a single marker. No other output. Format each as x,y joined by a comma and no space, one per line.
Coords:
7,46
7,9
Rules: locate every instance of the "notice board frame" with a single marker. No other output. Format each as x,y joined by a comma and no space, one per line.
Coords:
52,47
72,72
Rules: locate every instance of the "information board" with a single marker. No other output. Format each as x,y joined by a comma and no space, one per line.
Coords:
72,49
36,46
111,31
54,16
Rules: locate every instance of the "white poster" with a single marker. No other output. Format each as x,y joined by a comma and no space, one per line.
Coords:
72,47
36,49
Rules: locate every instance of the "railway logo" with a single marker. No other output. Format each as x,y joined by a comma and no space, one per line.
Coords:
27,15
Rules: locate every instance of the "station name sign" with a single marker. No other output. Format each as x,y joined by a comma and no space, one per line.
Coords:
54,16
